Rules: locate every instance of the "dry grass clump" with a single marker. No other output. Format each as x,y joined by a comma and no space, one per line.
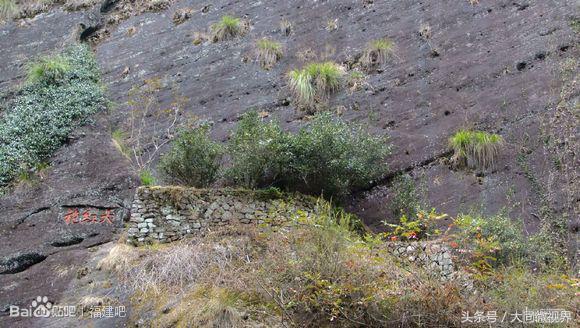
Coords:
199,38
425,31
356,80
228,28
181,15
120,258
332,24
322,273
74,5
377,53
315,82
212,307
176,265
268,53
285,27
475,149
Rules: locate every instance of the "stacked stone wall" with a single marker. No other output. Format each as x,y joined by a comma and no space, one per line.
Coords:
165,214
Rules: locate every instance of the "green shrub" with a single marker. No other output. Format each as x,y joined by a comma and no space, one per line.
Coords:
405,199
328,156
7,9
494,241
259,153
228,28
475,149
146,177
315,82
377,53
419,226
49,69
43,114
333,157
194,159
269,53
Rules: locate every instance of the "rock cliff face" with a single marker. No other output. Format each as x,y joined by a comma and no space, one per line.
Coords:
494,66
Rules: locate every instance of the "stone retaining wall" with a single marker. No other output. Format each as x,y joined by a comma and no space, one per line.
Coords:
430,255
165,214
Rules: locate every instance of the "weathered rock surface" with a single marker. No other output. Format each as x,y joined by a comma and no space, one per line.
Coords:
20,262
491,66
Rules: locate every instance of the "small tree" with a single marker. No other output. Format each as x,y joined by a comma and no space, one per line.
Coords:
151,125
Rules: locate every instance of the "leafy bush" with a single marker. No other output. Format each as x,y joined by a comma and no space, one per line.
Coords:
334,158
259,153
405,199
418,226
269,53
328,156
493,241
194,159
43,114
49,69
315,82
475,148
377,53
227,28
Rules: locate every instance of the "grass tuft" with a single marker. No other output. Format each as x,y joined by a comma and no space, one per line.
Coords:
268,53
315,82
285,27
475,149
8,8
377,53
228,28
147,178
49,69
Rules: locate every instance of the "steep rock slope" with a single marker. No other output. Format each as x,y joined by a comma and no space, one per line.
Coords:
493,66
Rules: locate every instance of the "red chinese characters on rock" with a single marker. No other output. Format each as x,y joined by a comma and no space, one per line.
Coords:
88,216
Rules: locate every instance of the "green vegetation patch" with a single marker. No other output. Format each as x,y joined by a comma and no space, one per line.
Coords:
63,90
194,159
50,70
475,149
228,28
329,156
315,82
268,52
377,53
8,9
